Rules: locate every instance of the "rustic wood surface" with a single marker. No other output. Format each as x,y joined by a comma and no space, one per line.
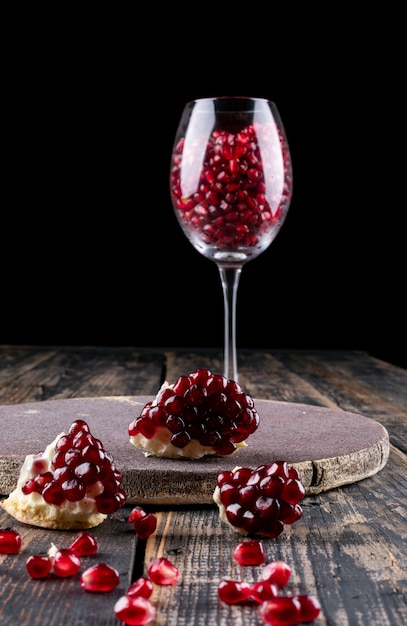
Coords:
348,549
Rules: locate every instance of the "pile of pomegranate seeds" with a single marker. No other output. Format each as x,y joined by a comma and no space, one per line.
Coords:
261,500
80,468
274,608
144,523
10,541
201,408
237,196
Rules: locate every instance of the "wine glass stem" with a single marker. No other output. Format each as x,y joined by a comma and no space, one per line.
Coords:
230,277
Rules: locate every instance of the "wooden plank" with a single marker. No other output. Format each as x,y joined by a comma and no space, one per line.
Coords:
65,373
61,601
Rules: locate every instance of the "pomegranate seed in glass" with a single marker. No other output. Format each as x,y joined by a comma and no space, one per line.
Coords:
231,187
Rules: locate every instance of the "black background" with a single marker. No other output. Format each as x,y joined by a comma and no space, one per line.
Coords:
91,250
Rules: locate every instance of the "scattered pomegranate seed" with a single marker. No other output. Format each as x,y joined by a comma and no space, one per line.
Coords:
144,523
100,577
264,590
310,608
84,544
10,541
66,563
134,610
250,553
162,572
234,591
141,587
280,611
38,566
277,572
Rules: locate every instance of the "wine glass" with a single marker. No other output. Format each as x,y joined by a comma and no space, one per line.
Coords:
231,187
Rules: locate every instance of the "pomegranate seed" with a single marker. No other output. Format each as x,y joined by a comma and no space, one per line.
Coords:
162,572
250,553
280,611
84,544
234,591
144,523
10,541
66,563
264,590
310,608
99,578
134,610
141,587
38,566
277,572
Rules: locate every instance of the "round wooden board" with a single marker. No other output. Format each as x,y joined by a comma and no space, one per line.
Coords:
329,447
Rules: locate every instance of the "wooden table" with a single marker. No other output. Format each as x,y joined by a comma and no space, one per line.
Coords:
349,548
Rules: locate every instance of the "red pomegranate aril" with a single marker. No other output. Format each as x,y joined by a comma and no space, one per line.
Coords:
66,563
310,608
277,572
77,426
134,610
53,493
263,590
10,541
100,578
250,553
84,544
234,591
145,526
280,611
38,566
162,572
141,587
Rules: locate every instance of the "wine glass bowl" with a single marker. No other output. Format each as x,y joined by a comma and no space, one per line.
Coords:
231,187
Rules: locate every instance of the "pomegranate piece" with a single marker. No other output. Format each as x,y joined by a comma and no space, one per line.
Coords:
10,541
38,566
141,587
100,578
253,501
66,563
134,610
234,591
250,553
277,572
144,523
162,572
310,608
200,414
84,544
74,468
280,611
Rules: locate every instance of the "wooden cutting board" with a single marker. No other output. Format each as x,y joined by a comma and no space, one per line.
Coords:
329,447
